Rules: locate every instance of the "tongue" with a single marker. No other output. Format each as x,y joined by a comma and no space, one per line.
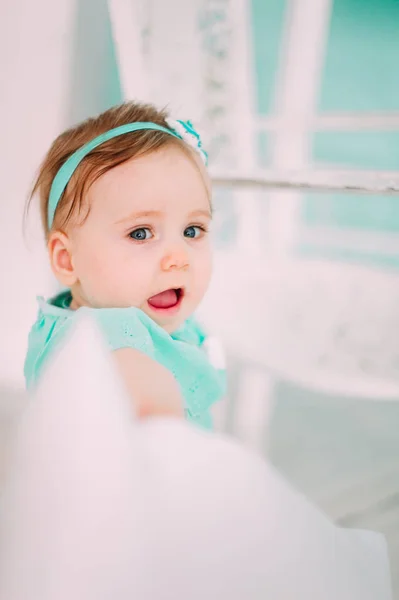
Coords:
164,299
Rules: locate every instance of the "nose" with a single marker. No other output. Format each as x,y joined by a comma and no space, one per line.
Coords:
176,259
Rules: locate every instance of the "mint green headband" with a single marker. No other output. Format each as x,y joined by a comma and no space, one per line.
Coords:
182,130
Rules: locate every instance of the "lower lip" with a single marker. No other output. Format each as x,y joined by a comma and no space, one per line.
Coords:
171,310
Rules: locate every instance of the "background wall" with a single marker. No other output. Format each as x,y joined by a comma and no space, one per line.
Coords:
58,66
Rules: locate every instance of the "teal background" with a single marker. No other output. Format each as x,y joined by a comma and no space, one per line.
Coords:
360,75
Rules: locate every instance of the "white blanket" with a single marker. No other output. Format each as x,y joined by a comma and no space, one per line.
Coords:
98,506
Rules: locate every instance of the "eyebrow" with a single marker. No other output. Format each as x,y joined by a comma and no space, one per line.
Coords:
156,213
140,215
201,213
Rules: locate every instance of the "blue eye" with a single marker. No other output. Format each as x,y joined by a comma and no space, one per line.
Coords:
193,231
141,234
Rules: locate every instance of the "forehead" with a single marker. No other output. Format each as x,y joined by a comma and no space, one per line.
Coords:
165,180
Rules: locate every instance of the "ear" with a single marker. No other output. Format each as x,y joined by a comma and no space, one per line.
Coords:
60,253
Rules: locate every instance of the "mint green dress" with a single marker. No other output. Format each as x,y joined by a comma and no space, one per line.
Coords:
182,352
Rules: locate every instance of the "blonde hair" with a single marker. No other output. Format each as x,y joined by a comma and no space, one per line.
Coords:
100,160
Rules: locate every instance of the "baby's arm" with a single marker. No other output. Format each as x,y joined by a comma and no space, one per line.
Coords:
151,386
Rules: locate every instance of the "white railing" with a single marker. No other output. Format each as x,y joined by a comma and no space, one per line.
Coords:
369,182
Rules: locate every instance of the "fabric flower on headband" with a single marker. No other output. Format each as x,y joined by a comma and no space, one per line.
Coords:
186,131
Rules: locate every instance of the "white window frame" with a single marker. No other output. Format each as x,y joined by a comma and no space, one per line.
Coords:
291,125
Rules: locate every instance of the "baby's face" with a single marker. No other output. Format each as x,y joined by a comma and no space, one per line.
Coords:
145,242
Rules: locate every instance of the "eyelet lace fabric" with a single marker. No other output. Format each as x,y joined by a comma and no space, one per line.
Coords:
182,353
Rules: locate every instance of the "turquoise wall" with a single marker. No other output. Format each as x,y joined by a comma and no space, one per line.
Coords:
360,74
361,66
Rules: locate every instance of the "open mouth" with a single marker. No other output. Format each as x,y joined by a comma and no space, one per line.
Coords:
167,300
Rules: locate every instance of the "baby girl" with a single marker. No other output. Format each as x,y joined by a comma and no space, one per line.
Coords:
125,201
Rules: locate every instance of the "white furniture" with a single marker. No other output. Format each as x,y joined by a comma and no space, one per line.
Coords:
326,326
98,502
327,334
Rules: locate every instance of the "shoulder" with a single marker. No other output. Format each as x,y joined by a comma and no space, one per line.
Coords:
126,328
120,327
50,324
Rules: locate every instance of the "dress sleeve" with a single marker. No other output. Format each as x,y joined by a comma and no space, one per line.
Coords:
127,328
183,353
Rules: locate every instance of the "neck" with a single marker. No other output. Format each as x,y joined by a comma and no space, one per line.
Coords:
77,300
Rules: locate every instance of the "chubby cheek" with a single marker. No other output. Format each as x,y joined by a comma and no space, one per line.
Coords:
112,279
